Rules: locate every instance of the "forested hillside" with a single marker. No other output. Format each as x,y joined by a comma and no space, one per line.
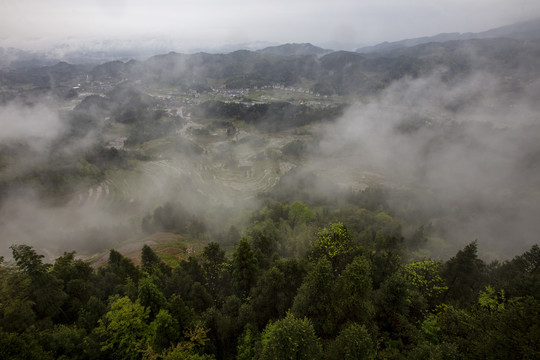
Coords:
301,282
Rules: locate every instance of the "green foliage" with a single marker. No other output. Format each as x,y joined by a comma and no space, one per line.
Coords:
425,276
150,296
300,212
335,243
273,295
65,342
264,242
215,270
353,293
314,297
180,311
124,329
45,290
199,298
371,198
364,302
146,125
190,349
67,268
122,267
290,338
392,303
387,233
24,346
229,326
246,345
491,300
464,274
87,169
296,241
164,330
333,240
90,313
244,268
504,332
530,260
169,217
353,343
76,276
28,260
521,275
275,290
149,259
275,116
16,311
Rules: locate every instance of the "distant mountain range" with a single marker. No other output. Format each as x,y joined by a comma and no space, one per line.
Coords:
523,31
295,49
100,52
291,65
510,52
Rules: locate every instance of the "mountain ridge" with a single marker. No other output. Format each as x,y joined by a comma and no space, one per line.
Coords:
292,49
523,31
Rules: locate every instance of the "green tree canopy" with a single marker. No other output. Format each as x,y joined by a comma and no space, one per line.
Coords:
124,329
464,274
353,343
353,292
290,338
314,297
244,268
300,212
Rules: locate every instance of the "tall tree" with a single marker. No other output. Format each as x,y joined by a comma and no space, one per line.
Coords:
149,259
425,277
124,329
353,343
164,331
314,298
214,267
46,290
335,243
352,294
464,275
290,338
150,297
17,309
300,212
76,276
244,268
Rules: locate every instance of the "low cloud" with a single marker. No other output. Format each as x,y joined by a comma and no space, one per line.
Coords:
38,123
471,146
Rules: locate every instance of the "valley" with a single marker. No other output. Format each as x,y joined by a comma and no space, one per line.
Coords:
288,202
218,133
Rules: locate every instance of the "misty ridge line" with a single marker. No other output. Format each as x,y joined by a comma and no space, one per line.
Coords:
100,50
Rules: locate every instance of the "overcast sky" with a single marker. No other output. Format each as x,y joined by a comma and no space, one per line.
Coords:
218,22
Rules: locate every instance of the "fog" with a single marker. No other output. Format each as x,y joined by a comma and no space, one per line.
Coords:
206,24
466,146
451,130
40,123
31,139
53,199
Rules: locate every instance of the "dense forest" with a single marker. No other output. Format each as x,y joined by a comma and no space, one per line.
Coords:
331,282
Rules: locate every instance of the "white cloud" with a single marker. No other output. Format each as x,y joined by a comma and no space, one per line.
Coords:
38,123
